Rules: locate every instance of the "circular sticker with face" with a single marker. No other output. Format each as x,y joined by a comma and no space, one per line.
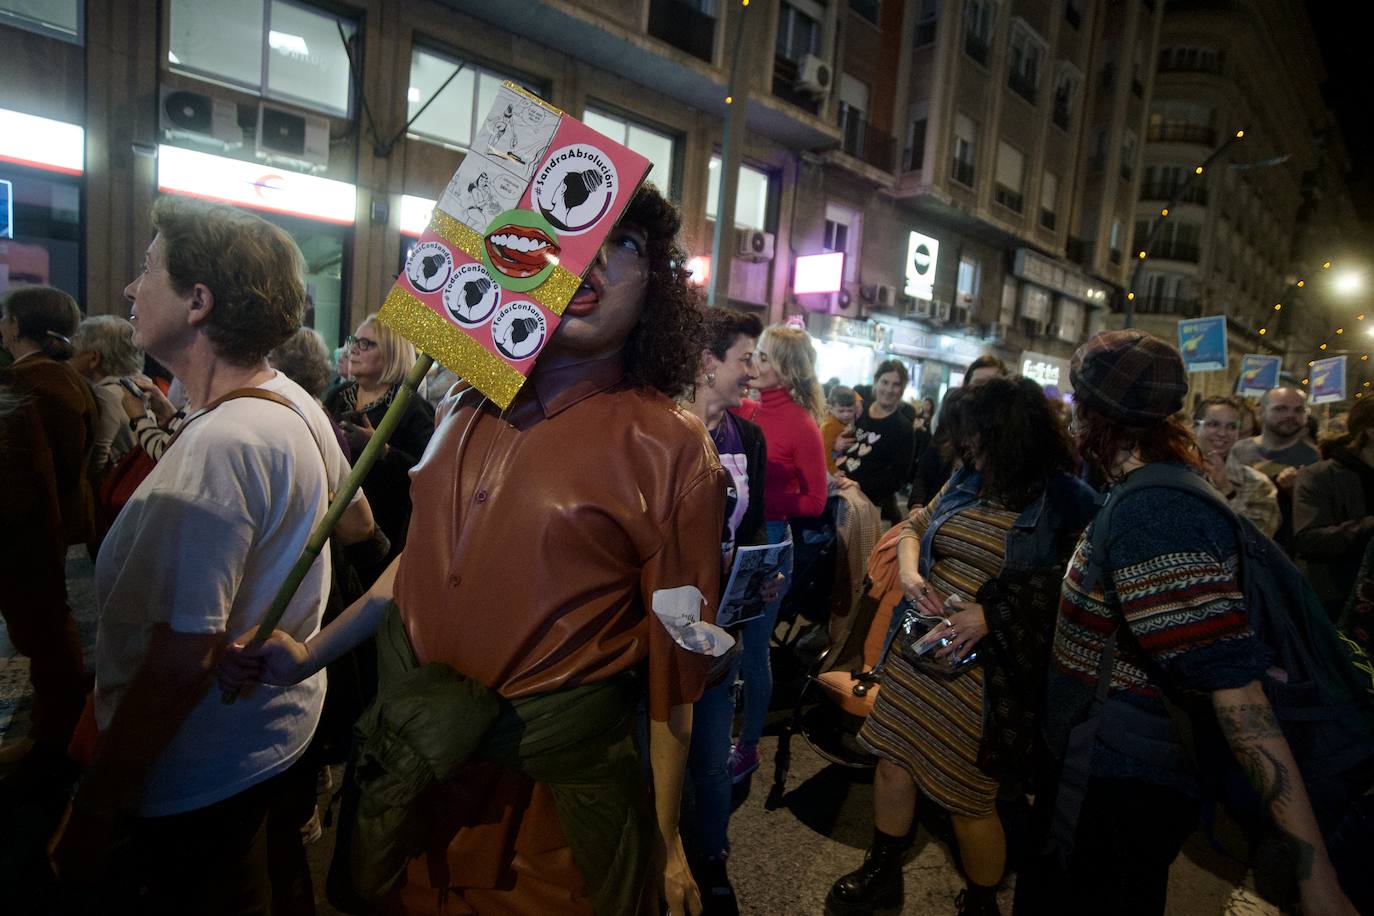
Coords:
429,267
471,295
519,330
575,188
520,250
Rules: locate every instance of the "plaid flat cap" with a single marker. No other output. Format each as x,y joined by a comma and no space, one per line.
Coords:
1129,376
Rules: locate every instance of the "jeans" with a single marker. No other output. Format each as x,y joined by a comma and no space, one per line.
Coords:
754,667
713,719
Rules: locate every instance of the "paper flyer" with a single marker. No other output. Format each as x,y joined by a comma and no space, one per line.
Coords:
752,567
511,236
1202,341
1258,374
1328,380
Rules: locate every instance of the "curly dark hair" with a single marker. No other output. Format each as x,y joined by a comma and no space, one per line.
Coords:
1101,441
725,326
664,349
949,427
252,268
1020,441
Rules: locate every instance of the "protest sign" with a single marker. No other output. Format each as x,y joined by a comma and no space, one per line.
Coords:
509,241
1202,341
1258,374
1328,380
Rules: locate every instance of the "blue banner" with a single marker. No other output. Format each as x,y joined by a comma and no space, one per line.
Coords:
1202,341
1258,374
6,209
1328,380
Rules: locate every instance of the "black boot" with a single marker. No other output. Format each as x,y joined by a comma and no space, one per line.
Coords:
877,883
977,900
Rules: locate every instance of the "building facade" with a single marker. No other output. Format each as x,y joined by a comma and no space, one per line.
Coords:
978,163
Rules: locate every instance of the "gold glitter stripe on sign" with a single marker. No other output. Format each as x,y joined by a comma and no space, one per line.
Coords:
554,293
419,324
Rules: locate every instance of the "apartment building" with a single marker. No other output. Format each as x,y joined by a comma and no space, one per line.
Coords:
1269,210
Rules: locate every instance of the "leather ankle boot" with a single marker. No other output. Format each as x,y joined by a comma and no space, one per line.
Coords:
876,884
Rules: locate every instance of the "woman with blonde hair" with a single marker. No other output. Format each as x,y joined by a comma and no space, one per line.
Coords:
788,411
378,359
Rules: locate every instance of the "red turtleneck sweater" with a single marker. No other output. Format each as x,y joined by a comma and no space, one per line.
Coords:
796,486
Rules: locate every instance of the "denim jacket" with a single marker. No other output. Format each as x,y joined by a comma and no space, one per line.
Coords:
1066,503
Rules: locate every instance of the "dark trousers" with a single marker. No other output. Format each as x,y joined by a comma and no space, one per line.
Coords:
242,856
33,604
1128,835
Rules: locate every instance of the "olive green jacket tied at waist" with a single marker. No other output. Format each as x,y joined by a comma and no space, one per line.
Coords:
429,720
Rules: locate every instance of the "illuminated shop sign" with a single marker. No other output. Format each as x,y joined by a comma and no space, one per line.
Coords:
819,273
1047,370
6,209
254,185
922,254
415,214
42,143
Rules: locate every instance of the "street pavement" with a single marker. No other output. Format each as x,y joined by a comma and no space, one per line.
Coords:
783,861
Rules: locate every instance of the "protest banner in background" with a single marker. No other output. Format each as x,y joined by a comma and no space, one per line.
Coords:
505,250
1202,341
1328,380
1258,374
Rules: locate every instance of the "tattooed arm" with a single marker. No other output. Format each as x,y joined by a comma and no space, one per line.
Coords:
1253,733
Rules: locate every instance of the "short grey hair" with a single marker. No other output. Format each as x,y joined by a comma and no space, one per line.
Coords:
113,339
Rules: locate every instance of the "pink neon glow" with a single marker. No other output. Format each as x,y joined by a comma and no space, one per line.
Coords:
819,273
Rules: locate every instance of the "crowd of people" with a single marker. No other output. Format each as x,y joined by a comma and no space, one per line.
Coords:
517,611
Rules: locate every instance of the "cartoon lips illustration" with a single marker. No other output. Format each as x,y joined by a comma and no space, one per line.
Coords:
520,251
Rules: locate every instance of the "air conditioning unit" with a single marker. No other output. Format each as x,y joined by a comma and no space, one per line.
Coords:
845,304
919,308
884,297
298,138
815,75
187,115
754,245
941,311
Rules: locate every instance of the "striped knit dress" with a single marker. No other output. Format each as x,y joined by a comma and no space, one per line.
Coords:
930,725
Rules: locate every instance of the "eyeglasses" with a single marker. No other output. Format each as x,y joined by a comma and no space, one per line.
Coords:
361,344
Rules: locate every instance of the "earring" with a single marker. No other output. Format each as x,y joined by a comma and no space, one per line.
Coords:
710,380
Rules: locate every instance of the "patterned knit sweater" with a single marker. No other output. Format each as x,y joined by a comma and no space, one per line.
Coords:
1171,577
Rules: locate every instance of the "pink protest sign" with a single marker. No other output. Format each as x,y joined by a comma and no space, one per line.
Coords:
515,230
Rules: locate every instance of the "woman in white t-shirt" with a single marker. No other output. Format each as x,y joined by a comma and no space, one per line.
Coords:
185,781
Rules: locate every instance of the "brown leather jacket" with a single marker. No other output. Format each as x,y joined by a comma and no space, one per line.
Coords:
539,537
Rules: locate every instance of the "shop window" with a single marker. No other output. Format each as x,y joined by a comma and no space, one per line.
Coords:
58,18
276,49
42,242
456,113
655,145
751,197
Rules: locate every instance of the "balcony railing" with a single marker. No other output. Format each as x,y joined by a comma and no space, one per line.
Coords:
1175,251
1023,84
864,141
976,46
1047,218
683,26
962,171
1012,200
1181,133
785,75
1165,190
1182,307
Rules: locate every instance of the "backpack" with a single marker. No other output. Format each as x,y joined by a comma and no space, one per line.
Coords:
1325,707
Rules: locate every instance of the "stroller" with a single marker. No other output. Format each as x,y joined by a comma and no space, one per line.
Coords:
842,683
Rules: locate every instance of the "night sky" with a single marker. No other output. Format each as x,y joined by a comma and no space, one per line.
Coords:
1349,88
